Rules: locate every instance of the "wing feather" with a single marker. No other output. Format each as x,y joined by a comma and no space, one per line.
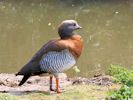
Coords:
52,45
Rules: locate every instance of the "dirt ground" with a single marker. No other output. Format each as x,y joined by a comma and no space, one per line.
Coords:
9,82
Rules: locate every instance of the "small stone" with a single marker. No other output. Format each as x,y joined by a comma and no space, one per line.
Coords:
49,24
116,12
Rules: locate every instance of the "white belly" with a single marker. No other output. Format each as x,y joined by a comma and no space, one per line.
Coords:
55,62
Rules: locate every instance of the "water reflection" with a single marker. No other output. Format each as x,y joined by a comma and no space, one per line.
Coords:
107,31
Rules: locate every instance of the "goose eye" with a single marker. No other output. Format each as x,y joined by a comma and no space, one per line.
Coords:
74,24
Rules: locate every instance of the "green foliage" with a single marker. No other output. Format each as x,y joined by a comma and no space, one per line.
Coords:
115,69
125,77
125,93
121,75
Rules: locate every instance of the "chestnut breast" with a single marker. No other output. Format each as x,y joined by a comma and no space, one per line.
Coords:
74,44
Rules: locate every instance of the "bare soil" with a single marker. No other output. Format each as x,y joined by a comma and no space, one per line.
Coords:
9,82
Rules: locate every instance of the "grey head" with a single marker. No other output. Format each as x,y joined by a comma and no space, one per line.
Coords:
67,27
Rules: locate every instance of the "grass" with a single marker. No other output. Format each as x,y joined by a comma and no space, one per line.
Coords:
73,92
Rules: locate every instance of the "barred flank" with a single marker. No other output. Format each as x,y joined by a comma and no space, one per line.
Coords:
55,62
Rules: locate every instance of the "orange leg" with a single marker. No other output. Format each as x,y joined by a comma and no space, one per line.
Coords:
57,86
51,89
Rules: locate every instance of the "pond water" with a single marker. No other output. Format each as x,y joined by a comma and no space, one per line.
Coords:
25,25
